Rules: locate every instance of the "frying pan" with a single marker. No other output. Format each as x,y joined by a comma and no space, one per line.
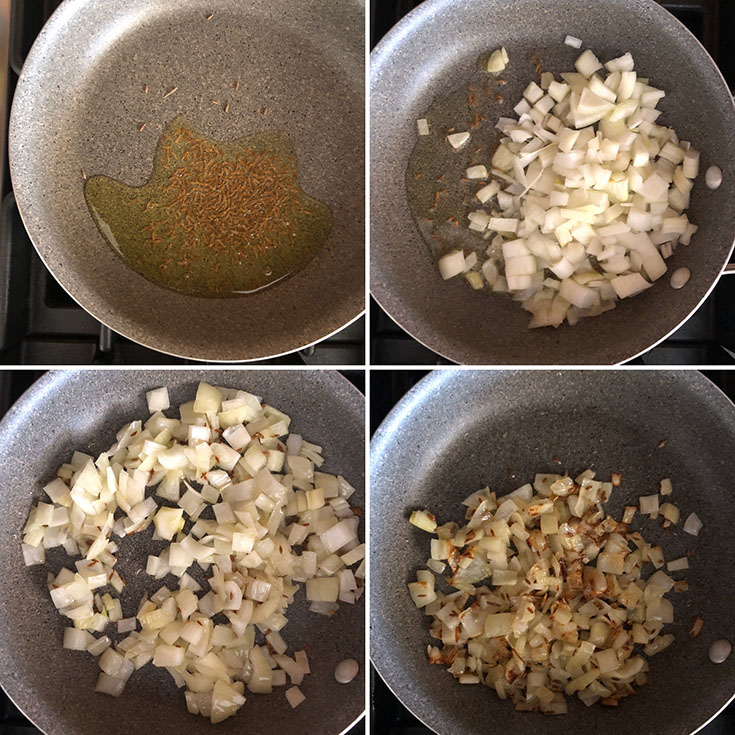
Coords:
83,410
79,105
432,52
460,430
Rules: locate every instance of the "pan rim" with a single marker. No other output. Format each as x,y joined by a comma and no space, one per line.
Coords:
380,56
133,327
173,353
55,379
383,442
54,374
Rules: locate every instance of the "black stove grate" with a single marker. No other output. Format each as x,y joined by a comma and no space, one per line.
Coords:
387,715
40,324
708,337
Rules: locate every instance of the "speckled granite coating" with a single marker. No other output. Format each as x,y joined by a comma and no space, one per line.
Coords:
460,430
80,103
431,52
55,688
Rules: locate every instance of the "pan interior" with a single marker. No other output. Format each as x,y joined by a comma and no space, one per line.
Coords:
460,431
54,687
250,68
434,52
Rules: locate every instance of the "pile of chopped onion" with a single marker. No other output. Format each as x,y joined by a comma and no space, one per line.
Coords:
548,595
262,520
588,195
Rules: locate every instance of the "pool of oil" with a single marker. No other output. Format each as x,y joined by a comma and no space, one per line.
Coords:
215,219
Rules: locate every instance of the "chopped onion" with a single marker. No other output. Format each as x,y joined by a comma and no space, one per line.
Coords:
99,645
457,140
678,565
424,520
322,589
670,512
109,685
693,525
77,640
266,499
595,194
423,126
125,625
476,172
451,264
158,400
587,64
497,61
573,41
567,602
294,697
648,504
33,554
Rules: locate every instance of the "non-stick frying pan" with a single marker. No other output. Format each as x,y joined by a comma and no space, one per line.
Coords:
431,53
460,430
80,103
55,688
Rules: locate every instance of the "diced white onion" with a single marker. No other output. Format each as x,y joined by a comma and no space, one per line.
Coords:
295,697
476,172
77,640
595,191
233,452
451,264
457,140
677,565
693,525
109,685
497,61
648,504
158,400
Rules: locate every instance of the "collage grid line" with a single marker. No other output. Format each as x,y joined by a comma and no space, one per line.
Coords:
296,94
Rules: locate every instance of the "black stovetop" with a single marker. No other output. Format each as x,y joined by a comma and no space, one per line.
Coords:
708,337
12,384
387,715
40,324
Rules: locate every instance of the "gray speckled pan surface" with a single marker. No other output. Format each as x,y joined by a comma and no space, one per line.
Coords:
432,52
79,105
55,688
458,431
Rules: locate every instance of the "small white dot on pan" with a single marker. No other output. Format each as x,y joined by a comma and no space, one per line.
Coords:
713,177
346,671
680,277
719,651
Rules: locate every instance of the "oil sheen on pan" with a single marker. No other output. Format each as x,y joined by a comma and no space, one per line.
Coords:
435,203
215,219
